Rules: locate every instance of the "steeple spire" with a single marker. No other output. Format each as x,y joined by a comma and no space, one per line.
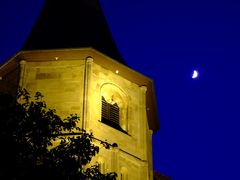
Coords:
72,24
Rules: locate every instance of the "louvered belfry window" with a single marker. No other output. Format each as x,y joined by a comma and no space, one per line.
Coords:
110,114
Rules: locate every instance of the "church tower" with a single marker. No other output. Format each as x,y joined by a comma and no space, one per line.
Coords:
71,58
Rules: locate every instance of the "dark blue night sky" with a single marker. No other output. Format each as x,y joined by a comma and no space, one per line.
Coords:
166,40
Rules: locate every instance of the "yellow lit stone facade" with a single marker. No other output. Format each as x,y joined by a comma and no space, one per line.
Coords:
75,81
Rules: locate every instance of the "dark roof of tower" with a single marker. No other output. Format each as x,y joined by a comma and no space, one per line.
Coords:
72,24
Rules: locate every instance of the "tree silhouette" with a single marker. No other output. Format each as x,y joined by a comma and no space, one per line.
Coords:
37,144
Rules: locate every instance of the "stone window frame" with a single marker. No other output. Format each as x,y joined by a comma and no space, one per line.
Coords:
113,94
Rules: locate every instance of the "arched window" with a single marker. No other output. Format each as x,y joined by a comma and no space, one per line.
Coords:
114,107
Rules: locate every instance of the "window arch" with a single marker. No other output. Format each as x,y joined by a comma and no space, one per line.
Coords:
114,106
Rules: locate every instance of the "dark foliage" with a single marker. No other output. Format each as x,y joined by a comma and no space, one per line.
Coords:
37,144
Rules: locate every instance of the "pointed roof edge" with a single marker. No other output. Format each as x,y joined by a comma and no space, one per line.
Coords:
72,24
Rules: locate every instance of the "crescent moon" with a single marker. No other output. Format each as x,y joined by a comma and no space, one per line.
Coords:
195,74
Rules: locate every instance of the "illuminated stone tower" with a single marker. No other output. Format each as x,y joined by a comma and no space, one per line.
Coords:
71,59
